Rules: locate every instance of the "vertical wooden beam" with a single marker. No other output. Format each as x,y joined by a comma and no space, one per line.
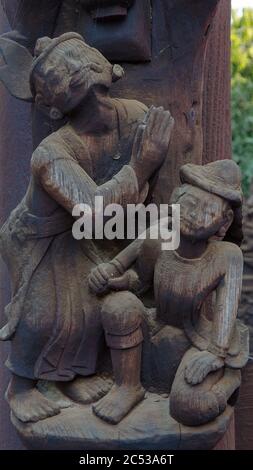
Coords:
15,153
217,88
244,411
217,117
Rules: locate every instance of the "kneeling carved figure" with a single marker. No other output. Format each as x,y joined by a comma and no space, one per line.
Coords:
197,290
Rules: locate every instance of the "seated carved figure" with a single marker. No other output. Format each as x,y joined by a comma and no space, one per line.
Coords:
111,148
197,290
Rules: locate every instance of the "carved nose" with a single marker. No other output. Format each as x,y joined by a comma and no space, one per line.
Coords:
76,67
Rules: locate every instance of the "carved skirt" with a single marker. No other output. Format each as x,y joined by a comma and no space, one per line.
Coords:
59,333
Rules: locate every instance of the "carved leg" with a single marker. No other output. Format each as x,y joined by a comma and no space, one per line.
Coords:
122,315
194,405
27,403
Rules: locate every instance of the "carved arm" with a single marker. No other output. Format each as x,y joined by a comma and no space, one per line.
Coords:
227,300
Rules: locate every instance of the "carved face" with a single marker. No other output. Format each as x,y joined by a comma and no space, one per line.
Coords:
68,73
202,213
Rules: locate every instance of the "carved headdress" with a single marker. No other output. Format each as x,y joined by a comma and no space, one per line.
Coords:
222,178
17,65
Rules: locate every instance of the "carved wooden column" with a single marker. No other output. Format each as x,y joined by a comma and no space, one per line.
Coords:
244,410
15,152
217,117
217,88
188,74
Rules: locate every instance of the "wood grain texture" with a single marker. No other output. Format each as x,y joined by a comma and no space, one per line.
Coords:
178,72
151,429
227,442
217,86
14,177
175,79
217,118
244,411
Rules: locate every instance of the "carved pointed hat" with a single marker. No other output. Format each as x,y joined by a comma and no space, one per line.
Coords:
222,178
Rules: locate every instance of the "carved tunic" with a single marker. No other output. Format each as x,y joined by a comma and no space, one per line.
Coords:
182,286
52,311
199,296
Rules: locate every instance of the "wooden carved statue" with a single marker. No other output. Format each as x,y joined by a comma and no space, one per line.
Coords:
117,344
197,291
57,336
246,305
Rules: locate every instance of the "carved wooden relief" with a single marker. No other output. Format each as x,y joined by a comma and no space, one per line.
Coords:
117,344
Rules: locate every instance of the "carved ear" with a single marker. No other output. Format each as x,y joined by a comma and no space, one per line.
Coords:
227,223
15,66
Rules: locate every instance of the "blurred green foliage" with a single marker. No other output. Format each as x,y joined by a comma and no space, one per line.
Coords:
242,93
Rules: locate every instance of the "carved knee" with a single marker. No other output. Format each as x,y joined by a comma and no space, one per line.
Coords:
194,408
122,314
194,405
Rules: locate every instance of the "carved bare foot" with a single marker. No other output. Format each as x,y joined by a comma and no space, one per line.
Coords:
200,365
118,403
52,392
27,403
87,390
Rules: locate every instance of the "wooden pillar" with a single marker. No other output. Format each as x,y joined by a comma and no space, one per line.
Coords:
244,411
213,137
217,88
217,117
15,153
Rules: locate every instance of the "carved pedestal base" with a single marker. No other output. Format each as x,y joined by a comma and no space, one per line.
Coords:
148,427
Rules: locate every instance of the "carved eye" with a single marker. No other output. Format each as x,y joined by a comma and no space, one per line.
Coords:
77,79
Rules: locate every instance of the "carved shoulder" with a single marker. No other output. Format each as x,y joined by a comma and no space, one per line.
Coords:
228,253
51,149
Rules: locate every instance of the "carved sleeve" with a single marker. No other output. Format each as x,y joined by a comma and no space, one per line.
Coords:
67,182
138,261
227,300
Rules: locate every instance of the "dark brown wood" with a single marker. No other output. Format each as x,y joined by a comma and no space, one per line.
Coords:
244,411
16,121
217,86
217,117
174,78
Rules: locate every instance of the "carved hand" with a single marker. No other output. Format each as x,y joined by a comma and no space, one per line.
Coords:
151,143
200,365
100,276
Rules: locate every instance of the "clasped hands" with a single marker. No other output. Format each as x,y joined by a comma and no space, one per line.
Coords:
151,144
105,277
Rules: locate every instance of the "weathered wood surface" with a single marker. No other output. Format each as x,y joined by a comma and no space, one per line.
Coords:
14,176
188,86
152,428
227,442
175,80
244,411
217,88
